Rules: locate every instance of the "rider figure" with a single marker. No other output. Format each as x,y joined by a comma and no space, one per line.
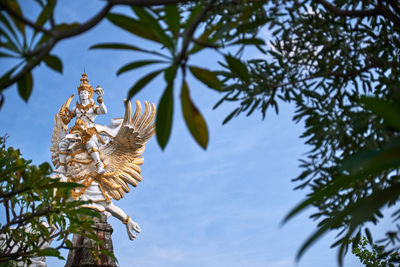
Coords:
85,112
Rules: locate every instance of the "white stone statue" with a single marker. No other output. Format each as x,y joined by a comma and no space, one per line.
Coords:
85,112
103,159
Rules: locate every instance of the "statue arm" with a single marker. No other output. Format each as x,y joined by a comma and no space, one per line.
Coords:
101,109
131,226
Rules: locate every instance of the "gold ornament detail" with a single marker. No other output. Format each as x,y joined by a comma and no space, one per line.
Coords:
85,85
126,220
65,113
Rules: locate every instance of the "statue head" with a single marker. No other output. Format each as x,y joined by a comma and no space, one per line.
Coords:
85,90
78,132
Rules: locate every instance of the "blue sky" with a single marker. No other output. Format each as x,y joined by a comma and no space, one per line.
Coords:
219,207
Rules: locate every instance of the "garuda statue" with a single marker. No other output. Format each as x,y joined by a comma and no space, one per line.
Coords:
105,159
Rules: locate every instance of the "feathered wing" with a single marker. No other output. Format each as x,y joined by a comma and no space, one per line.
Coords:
123,156
60,130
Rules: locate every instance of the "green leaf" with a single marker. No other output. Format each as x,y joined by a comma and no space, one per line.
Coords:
5,21
172,17
238,67
57,184
249,27
115,46
137,64
368,162
170,73
133,26
142,83
109,254
10,44
193,118
25,85
364,208
147,19
251,41
165,108
314,237
193,14
6,55
207,77
230,116
126,47
45,14
374,161
164,117
205,38
387,110
49,252
369,236
14,6
88,212
54,63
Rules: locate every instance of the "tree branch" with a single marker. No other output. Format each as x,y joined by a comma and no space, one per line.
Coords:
56,36
148,2
395,6
6,205
25,20
28,67
348,13
188,34
354,72
85,26
344,75
13,192
380,9
387,13
25,218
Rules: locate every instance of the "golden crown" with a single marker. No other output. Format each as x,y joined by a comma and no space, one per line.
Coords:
85,85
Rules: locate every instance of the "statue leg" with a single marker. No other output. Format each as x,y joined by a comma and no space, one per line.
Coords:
131,226
93,151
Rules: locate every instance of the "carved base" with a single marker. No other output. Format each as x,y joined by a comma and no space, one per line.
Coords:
81,256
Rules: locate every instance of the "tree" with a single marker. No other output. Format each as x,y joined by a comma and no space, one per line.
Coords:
376,256
37,210
336,61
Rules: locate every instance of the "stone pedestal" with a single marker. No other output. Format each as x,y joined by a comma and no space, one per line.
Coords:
81,256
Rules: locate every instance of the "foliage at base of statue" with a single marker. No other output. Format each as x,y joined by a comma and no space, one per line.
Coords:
36,210
372,255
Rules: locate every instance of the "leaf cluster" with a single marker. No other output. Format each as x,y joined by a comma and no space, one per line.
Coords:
328,64
38,209
27,47
372,255
183,31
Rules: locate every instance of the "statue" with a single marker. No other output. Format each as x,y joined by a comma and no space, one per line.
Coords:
105,159
86,112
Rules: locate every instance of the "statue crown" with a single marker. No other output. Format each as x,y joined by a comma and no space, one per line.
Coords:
85,85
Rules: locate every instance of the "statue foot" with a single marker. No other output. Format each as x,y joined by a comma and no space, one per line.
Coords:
100,167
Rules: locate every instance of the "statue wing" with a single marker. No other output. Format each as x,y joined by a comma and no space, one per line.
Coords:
60,130
123,156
